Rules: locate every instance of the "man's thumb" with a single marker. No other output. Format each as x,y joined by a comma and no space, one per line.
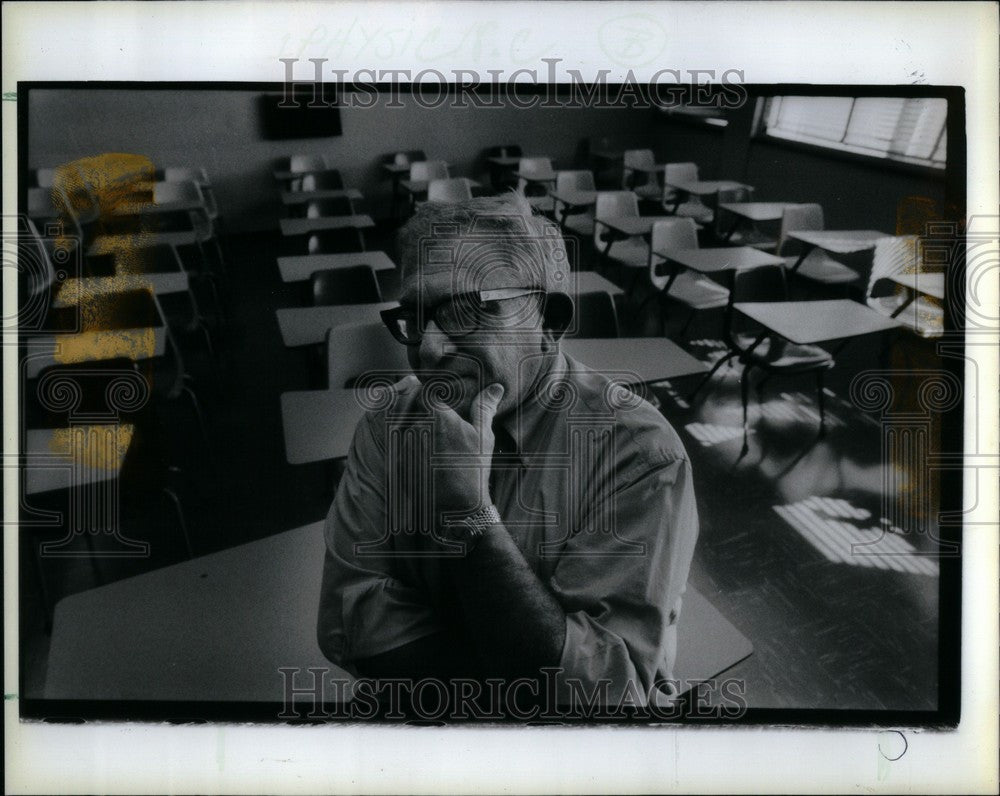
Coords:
485,405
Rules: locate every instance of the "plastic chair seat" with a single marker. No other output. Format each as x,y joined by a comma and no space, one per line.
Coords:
790,356
820,267
702,214
543,204
649,191
698,291
582,224
631,252
754,239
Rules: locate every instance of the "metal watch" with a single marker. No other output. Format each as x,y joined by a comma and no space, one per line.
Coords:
470,528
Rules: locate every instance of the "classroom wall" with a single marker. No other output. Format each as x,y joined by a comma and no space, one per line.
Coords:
220,130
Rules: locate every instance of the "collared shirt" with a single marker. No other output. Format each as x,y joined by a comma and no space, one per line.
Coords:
598,497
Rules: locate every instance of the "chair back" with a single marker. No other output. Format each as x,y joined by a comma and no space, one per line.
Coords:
634,159
45,177
681,172
611,204
595,315
322,208
355,285
187,191
582,180
354,349
761,284
533,166
451,190
37,273
669,234
40,202
329,180
798,217
723,220
892,255
306,163
427,170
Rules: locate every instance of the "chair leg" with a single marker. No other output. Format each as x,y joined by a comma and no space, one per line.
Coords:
707,377
745,396
683,329
175,503
821,399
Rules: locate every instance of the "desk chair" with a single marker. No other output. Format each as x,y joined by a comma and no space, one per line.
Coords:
757,348
355,285
696,291
818,265
45,177
672,204
400,159
336,241
628,252
639,174
427,170
576,219
595,316
297,163
451,190
902,255
329,180
40,204
536,193
321,208
363,348
722,222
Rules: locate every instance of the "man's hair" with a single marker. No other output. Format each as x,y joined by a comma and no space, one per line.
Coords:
530,245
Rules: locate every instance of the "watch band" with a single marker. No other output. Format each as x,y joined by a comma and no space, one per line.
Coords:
470,528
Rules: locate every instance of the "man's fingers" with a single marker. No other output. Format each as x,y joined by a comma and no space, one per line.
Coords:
484,406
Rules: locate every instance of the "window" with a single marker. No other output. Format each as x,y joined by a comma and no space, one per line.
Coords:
907,130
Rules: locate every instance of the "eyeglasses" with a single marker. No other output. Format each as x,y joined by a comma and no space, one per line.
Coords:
459,316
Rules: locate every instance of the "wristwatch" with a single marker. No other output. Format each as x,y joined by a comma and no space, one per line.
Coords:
470,528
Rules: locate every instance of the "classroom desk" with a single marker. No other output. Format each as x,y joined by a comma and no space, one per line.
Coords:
929,283
395,169
73,290
573,203
504,161
705,187
419,187
218,628
650,359
301,267
723,258
48,459
284,175
308,325
140,239
304,197
753,212
592,282
69,349
307,226
537,176
810,322
840,241
319,424
629,226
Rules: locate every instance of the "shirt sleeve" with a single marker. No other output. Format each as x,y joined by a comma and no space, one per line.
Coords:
365,609
621,586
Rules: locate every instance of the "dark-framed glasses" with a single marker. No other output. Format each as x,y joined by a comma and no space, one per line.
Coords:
461,315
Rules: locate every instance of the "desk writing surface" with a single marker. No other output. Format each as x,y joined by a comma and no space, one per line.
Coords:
301,267
575,198
840,241
713,260
308,325
94,346
396,168
74,290
420,186
807,322
928,283
304,197
592,282
758,211
306,226
319,424
128,243
648,358
705,187
153,208
51,462
219,627
629,225
285,174
504,160
537,176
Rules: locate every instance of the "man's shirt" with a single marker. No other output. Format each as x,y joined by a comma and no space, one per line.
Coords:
597,494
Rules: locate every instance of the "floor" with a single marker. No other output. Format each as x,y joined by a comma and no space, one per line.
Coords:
831,629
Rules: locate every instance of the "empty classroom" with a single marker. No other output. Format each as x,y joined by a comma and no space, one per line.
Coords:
202,295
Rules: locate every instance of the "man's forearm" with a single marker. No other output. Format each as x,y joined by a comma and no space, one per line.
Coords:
515,623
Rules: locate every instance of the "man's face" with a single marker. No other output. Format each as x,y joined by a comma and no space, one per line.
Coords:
506,348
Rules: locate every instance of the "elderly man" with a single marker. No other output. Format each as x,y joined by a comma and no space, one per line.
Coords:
506,512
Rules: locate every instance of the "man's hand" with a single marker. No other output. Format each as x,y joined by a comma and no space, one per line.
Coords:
463,485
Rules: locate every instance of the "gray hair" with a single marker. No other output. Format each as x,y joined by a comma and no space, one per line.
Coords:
529,248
